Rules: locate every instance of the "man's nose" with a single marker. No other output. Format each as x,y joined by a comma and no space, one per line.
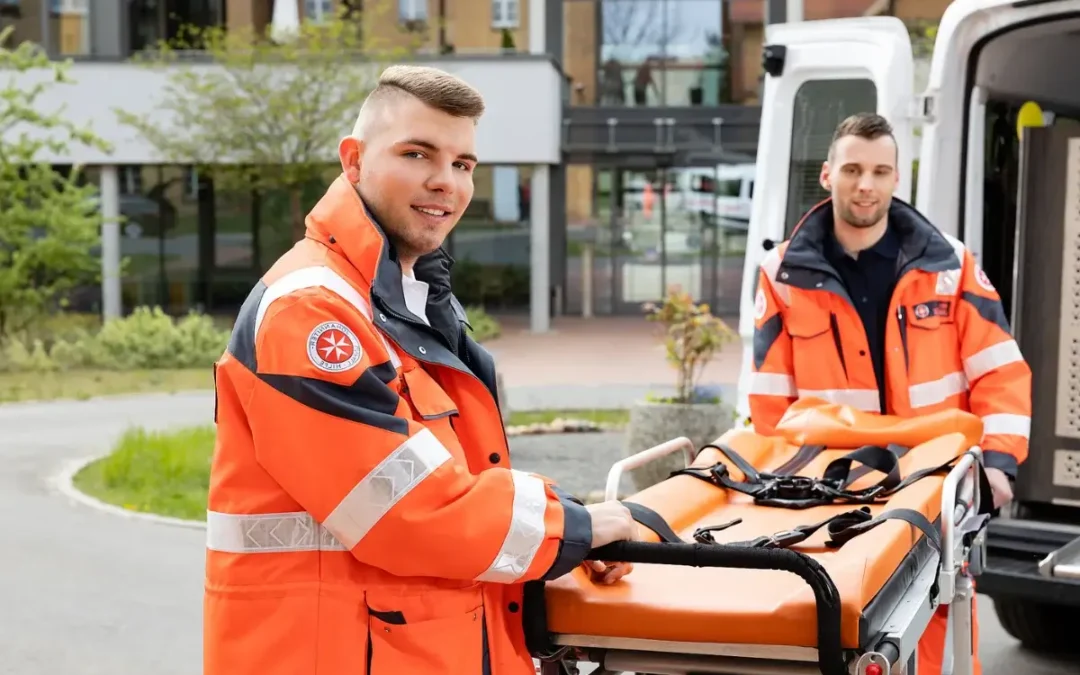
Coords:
441,179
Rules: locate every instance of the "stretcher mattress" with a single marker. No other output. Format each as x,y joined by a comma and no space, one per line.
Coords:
871,571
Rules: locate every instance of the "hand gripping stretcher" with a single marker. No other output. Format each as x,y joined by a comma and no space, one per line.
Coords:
876,520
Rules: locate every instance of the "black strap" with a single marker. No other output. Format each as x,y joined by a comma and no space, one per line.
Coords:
654,521
800,492
842,528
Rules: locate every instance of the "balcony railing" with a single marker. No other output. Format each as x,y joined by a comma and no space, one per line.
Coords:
726,131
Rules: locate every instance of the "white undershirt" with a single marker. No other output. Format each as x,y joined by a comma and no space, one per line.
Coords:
416,293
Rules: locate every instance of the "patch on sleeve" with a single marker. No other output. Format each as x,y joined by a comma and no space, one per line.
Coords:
948,282
333,347
759,304
983,280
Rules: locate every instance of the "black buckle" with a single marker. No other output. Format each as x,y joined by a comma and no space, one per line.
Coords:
778,540
792,488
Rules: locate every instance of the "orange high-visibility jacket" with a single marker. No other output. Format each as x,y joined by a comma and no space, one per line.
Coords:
363,516
947,341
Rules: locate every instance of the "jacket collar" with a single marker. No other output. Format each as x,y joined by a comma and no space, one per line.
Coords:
343,223
922,246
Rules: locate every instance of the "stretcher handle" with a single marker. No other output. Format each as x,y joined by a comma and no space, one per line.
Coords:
611,488
827,597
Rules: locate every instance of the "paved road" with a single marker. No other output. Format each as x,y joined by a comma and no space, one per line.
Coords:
89,593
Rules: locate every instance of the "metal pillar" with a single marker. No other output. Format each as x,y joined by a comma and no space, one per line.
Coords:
110,242
540,250
783,11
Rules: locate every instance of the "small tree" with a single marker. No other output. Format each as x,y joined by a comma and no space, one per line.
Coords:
692,337
265,116
49,223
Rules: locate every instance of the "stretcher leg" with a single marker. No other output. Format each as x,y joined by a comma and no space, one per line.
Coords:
960,621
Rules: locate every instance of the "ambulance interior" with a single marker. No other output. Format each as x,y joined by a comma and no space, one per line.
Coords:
1023,187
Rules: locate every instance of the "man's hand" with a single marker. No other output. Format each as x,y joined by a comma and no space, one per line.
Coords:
999,486
611,521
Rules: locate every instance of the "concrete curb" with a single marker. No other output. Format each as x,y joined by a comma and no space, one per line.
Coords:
64,482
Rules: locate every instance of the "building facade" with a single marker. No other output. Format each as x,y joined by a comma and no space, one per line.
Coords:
615,150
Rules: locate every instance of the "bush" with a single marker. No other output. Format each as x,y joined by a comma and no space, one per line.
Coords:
692,336
484,326
147,339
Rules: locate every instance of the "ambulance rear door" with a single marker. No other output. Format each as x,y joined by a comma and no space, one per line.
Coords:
816,74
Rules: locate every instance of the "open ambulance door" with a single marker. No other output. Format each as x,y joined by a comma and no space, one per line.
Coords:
816,74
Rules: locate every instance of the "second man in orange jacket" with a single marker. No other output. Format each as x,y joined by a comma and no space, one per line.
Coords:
869,305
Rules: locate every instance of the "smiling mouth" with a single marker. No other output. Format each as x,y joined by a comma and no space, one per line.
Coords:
438,213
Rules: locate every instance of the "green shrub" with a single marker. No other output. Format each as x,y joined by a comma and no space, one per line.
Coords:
147,339
484,326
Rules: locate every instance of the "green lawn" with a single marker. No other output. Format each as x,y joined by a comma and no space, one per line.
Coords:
83,384
157,472
168,473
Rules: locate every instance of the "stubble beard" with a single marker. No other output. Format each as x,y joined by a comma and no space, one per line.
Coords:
849,217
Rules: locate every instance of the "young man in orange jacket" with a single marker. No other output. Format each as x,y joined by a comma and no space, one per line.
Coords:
869,305
363,514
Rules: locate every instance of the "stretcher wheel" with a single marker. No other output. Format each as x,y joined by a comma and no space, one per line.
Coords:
1038,626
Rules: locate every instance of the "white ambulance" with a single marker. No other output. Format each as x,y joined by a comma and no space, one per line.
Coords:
1009,191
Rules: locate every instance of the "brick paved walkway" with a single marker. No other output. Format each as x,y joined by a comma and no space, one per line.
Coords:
604,350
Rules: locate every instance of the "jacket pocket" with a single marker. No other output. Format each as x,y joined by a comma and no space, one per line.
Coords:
438,640
816,346
429,400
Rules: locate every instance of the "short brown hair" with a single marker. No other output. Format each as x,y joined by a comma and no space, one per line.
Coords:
436,88
864,125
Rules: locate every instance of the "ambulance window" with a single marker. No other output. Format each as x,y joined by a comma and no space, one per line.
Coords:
820,105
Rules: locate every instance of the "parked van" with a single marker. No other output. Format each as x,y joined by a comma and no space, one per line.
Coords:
1010,192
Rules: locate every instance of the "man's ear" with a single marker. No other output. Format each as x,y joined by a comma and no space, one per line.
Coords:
823,179
350,150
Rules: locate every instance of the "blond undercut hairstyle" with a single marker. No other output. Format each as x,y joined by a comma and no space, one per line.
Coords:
435,88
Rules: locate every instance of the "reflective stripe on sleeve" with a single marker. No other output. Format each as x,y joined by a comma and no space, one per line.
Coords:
324,277
1007,424
385,486
992,358
267,533
526,532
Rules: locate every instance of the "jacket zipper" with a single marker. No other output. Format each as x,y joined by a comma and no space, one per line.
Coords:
836,339
903,333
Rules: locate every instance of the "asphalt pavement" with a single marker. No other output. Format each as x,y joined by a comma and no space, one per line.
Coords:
85,592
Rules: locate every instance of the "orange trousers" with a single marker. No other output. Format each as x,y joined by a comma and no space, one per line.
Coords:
932,643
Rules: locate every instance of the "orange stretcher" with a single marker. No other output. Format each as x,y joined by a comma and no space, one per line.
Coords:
823,549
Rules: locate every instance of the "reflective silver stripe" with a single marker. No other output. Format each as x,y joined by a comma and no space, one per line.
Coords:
267,533
772,384
526,532
948,281
321,276
992,358
771,265
863,399
385,486
936,391
1007,424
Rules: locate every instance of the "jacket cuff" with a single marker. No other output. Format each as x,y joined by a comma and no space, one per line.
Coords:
577,536
995,459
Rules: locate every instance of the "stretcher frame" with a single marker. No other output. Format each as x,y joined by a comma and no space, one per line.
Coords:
893,649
